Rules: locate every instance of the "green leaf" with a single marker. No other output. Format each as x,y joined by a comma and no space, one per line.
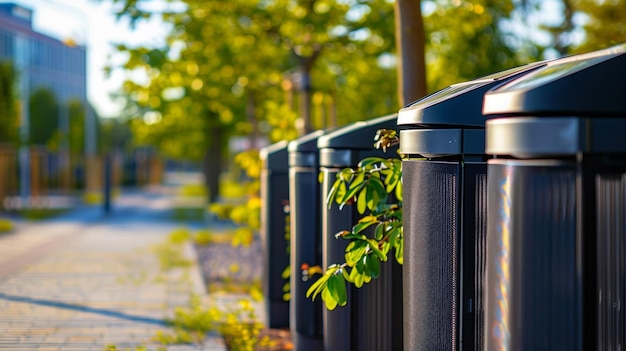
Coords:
328,299
400,252
337,289
378,186
346,275
399,191
342,292
355,251
372,200
391,181
347,235
332,193
321,284
286,272
385,247
363,224
340,193
379,232
317,286
356,277
373,265
346,174
361,203
332,287
373,245
370,161
358,179
351,193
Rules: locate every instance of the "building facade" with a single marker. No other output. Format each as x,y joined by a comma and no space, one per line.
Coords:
41,61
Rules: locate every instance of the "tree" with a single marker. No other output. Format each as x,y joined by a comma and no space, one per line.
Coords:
44,118
602,23
115,135
225,67
467,40
76,137
411,50
9,118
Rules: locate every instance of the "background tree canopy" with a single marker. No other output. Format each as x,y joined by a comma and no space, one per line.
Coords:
275,69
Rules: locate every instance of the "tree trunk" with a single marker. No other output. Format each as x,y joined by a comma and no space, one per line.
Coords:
306,89
252,119
306,101
213,159
410,40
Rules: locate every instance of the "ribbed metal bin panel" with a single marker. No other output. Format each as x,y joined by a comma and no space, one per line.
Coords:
445,248
431,198
533,301
611,269
305,250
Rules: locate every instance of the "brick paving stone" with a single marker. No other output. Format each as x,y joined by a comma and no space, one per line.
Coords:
82,282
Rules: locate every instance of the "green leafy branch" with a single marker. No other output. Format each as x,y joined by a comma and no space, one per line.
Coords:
375,186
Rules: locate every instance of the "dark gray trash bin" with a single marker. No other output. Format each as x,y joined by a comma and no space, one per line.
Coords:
444,193
275,197
556,274
372,319
306,240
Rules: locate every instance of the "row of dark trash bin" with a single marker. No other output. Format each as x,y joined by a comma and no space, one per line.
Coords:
514,192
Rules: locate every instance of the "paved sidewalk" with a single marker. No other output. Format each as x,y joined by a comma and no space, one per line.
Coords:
85,280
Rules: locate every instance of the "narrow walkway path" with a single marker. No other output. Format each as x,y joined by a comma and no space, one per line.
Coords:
83,281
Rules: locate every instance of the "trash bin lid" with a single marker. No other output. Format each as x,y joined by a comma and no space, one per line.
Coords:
459,104
303,151
590,84
358,135
572,105
275,156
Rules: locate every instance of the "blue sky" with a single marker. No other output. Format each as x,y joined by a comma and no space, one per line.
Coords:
91,23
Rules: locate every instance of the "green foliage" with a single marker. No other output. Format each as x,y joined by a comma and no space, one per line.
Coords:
466,40
228,66
76,137
5,226
238,325
246,211
188,213
240,328
115,135
9,117
93,198
286,274
170,253
193,190
604,23
237,322
191,324
44,118
37,214
375,186
113,347
203,237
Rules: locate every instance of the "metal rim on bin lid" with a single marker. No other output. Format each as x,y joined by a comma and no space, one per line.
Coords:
455,107
275,156
459,104
592,84
303,151
558,110
357,135
306,143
